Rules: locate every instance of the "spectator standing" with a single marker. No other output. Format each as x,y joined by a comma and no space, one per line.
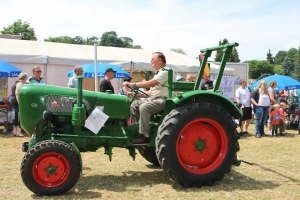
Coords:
36,78
156,101
207,84
105,83
17,127
242,96
261,102
275,119
273,99
191,78
73,81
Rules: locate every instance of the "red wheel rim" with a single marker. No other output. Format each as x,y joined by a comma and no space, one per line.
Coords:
51,169
201,146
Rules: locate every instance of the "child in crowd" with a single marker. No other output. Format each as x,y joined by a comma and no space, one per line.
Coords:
275,120
282,114
10,114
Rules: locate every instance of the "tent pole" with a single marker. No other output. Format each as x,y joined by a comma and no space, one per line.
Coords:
96,68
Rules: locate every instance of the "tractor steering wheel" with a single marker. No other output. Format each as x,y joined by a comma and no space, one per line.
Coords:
137,91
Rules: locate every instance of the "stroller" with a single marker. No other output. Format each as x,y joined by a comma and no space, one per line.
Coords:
293,116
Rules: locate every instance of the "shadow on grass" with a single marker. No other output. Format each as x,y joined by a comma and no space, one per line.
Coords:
279,174
232,182
134,181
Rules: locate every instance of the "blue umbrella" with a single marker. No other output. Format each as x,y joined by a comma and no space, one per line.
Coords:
8,70
88,71
283,82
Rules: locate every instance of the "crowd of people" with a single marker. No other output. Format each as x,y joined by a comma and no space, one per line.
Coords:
13,101
268,106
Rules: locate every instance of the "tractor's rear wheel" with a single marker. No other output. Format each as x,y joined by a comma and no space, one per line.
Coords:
50,167
196,144
149,154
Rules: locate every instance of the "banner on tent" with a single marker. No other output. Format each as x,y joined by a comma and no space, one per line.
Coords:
226,85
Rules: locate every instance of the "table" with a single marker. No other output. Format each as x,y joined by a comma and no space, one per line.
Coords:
4,109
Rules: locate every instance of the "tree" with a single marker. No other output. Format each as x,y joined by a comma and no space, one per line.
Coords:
61,39
78,40
279,58
179,50
269,57
127,42
20,28
278,69
111,39
259,67
296,74
289,62
233,56
92,40
137,47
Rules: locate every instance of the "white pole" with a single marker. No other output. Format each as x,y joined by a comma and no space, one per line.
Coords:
96,68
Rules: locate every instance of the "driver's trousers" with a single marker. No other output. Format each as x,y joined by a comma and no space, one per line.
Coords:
144,109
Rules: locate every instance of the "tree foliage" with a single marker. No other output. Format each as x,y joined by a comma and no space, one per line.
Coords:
111,39
20,28
279,58
233,56
179,50
296,74
107,39
269,57
289,62
61,39
278,69
259,67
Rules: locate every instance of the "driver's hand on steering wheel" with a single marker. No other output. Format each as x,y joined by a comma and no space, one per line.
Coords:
126,83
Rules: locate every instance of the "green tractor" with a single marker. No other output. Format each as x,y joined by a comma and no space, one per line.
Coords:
194,139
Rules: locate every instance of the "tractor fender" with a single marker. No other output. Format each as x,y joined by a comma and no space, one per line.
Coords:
203,96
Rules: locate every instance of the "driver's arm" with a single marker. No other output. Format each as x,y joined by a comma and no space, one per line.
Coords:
143,84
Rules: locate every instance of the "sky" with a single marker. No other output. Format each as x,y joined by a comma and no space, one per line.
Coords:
159,25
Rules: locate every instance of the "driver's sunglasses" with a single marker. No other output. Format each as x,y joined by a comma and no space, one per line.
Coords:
38,71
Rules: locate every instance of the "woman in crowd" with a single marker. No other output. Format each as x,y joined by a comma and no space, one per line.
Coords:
261,103
273,99
17,127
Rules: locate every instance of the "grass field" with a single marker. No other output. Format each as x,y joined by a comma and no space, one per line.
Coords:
274,175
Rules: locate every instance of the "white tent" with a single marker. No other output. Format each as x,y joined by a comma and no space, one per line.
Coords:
57,59
24,51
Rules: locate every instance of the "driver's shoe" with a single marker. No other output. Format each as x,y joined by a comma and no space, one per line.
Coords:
141,140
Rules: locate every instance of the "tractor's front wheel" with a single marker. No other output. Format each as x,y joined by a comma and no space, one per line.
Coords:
196,144
50,167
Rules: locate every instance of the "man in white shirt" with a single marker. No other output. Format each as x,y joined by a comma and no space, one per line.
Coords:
73,81
157,97
243,97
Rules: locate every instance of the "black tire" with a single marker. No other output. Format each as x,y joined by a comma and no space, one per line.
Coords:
196,144
50,167
149,154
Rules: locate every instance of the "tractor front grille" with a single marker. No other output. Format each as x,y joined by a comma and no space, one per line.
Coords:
62,104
